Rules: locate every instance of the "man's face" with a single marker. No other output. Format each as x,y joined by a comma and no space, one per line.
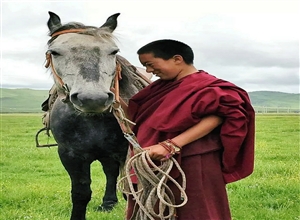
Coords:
164,69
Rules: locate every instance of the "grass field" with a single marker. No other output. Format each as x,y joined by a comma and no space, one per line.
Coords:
34,184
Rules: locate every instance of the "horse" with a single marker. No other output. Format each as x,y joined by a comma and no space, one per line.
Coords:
84,61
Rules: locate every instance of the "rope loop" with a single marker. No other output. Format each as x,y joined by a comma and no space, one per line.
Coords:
154,198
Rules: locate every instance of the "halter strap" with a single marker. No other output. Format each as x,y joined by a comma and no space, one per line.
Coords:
50,63
67,31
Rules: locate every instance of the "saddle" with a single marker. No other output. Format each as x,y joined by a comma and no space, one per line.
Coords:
142,79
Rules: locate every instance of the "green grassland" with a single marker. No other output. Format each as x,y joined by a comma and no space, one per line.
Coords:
34,184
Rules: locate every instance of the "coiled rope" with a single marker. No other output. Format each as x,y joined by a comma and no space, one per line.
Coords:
152,189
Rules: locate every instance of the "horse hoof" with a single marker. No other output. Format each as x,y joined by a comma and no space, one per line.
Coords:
107,207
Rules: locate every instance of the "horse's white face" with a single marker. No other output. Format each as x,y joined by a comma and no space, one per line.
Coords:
86,63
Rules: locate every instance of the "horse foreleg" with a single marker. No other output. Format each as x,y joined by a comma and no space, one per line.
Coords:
79,172
111,170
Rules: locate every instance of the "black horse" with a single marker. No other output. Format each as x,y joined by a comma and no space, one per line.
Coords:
84,62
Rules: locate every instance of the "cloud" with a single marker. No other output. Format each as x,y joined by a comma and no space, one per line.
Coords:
254,44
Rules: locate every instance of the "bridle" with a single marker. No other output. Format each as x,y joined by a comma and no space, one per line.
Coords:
49,62
118,107
115,87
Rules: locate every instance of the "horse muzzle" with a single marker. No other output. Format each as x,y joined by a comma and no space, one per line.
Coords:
92,103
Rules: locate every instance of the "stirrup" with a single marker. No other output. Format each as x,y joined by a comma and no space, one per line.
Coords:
37,139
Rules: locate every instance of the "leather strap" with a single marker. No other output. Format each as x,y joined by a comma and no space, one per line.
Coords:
67,31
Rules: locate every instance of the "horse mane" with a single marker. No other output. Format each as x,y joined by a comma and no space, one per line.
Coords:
132,80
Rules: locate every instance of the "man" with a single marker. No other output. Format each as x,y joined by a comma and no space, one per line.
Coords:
206,123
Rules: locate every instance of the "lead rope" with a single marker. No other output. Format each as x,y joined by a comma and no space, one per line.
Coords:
153,196
152,190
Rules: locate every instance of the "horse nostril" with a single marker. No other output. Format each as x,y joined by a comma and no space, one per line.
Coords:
110,98
75,100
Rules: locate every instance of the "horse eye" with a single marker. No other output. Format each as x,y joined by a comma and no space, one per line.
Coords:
114,52
54,53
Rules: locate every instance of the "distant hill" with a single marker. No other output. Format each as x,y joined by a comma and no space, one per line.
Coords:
275,99
29,100
22,100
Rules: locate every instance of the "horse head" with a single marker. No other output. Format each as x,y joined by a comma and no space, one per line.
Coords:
83,62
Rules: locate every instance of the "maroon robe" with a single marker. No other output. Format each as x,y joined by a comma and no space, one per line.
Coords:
165,109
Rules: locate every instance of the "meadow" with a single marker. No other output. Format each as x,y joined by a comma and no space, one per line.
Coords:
34,184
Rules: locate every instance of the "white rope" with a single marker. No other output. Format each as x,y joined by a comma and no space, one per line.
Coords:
152,190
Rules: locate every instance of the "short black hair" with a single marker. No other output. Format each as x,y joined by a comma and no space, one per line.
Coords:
167,48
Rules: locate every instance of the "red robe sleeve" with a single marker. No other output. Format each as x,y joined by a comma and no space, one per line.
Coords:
237,130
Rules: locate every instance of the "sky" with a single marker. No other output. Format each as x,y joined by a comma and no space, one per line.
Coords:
253,44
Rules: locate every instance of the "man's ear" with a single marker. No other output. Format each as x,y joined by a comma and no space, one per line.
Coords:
178,59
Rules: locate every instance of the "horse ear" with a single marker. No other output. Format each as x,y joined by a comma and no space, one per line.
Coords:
54,22
111,22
